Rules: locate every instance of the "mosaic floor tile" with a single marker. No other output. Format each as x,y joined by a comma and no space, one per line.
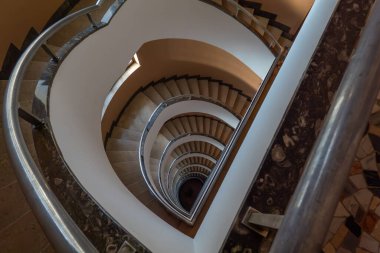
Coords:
369,162
356,168
369,222
364,197
359,250
329,248
365,148
376,231
351,242
343,250
372,178
354,227
339,237
369,243
358,181
375,140
374,203
341,211
336,223
351,205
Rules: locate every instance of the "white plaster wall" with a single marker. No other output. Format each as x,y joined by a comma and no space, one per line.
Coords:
85,77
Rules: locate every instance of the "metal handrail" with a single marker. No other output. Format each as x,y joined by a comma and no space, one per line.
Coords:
59,226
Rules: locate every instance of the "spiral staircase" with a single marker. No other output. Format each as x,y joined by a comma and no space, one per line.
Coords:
169,146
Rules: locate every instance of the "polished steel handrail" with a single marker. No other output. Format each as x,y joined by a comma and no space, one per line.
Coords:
59,226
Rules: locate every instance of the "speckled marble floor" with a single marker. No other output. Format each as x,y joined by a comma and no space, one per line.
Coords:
284,162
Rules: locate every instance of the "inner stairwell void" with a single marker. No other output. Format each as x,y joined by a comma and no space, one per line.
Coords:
170,131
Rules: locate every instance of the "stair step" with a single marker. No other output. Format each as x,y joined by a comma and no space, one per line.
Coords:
122,145
245,108
41,55
231,98
244,18
138,187
214,90
285,42
239,104
129,177
122,156
35,70
126,134
173,88
165,132
163,90
140,107
193,86
172,128
132,123
193,124
129,167
206,123
178,125
146,198
200,124
260,28
276,32
223,93
153,95
204,87
183,86
229,7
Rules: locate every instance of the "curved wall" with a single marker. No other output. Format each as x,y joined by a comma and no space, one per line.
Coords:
168,57
87,74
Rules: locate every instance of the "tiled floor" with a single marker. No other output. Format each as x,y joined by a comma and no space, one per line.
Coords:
19,229
356,223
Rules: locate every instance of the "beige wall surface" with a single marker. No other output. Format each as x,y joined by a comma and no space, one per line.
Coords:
18,16
169,57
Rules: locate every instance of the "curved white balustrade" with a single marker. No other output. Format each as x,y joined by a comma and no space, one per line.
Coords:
96,63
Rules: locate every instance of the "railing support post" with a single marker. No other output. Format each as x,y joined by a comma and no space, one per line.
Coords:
91,20
312,206
50,53
37,123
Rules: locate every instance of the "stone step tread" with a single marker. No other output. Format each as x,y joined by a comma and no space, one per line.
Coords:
163,90
173,87
121,144
126,134
122,156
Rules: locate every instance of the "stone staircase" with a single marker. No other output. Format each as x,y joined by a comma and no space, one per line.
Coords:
280,31
124,138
